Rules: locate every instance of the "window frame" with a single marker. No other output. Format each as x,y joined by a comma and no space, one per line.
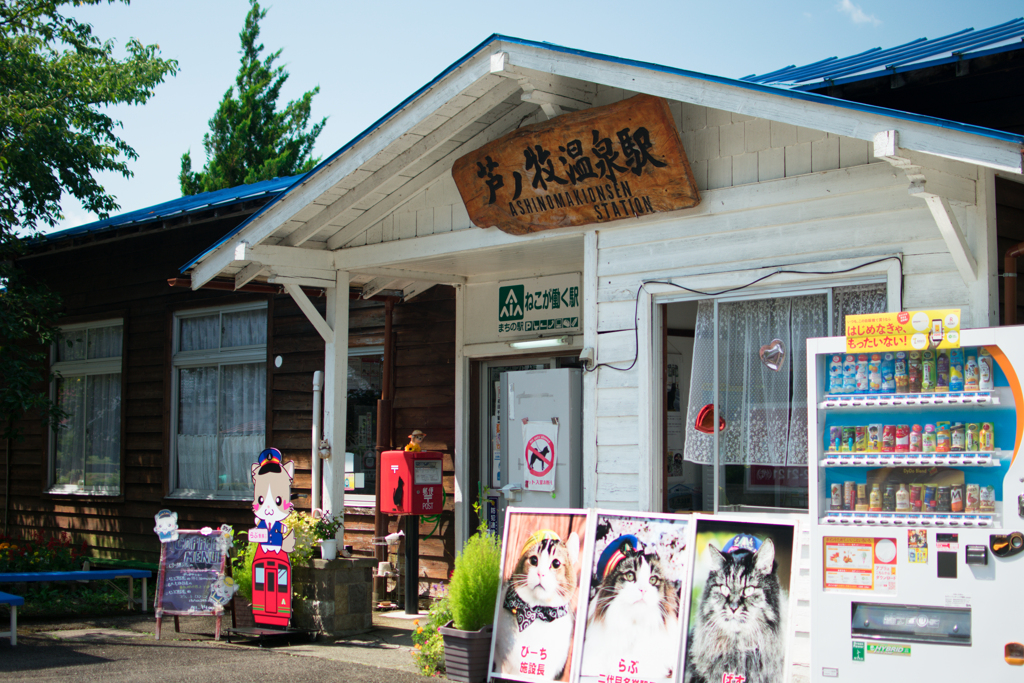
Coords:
363,500
235,355
85,368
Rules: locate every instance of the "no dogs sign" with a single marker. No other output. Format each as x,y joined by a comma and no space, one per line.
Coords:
539,439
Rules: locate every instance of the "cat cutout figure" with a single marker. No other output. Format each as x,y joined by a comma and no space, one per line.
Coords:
271,568
635,610
738,632
166,526
536,614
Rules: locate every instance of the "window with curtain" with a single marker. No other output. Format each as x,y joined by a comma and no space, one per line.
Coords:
220,398
85,448
763,449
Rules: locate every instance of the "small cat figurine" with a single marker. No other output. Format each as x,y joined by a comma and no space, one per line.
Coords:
536,613
635,610
738,629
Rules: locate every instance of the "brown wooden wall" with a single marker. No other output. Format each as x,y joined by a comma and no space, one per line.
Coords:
127,278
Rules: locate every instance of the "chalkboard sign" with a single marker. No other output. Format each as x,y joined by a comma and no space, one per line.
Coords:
189,566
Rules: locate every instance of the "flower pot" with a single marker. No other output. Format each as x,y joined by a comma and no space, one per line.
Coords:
241,613
329,549
466,653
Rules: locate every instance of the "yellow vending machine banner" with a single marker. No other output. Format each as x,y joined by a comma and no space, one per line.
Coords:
904,331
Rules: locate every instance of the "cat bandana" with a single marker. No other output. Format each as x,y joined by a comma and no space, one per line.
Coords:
526,615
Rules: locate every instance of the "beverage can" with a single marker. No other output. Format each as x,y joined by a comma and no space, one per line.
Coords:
928,502
942,437
928,371
914,372
987,499
835,439
860,439
943,499
849,495
956,369
973,443
900,373
837,497
956,498
863,384
835,374
889,439
958,438
902,438
916,496
850,374
972,496
986,370
888,372
987,437
875,438
942,371
849,440
889,498
862,498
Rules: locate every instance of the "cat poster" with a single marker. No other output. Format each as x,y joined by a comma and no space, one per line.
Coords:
538,603
635,615
739,601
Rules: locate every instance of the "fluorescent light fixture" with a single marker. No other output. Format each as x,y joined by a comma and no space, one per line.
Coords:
540,343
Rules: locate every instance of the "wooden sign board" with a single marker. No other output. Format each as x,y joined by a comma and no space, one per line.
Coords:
602,164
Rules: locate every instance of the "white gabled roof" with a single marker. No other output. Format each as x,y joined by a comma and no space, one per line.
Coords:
482,97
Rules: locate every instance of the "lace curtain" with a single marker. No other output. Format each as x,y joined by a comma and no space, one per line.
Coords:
765,411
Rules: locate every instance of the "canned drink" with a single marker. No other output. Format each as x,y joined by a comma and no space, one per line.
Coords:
875,438
956,498
973,498
849,495
860,439
987,499
902,438
837,497
849,439
835,439
889,439
987,437
916,496
943,499
958,438
862,498
901,374
889,498
928,503
973,443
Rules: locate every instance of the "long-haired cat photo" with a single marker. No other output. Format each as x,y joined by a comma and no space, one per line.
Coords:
738,630
537,607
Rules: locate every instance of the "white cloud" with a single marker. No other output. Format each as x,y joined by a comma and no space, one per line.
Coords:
856,14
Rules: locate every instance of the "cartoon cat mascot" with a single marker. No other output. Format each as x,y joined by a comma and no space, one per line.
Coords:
271,568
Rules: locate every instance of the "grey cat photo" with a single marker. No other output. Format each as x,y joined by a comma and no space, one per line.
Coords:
739,602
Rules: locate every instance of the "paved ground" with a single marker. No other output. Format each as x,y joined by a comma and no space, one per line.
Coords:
116,649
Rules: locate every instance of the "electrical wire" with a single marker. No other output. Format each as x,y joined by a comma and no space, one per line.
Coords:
729,290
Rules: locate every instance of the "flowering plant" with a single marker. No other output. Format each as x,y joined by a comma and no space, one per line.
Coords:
428,641
41,553
325,528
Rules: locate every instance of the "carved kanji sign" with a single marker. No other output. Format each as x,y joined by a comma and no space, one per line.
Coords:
602,164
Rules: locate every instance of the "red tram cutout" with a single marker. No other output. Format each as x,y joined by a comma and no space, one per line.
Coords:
271,588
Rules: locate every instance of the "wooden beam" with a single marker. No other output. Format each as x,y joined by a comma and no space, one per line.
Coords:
424,146
248,274
377,285
290,257
410,293
300,281
435,171
540,97
418,275
307,307
942,212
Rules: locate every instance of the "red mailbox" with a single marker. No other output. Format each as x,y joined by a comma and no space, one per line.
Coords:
411,482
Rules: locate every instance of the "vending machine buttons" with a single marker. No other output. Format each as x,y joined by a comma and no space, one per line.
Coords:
977,554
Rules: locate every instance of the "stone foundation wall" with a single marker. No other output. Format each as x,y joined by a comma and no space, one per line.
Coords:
334,597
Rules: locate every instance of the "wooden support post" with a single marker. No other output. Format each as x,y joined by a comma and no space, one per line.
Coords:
336,395
380,520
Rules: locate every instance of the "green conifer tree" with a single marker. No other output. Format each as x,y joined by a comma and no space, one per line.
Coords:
249,139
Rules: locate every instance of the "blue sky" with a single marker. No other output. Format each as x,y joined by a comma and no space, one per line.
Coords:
369,56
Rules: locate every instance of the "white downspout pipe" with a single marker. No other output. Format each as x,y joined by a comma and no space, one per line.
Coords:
318,383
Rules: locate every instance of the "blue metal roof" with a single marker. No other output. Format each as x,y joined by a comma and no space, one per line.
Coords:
177,207
917,54
746,84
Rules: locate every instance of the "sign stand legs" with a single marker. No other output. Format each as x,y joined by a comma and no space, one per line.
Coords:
412,564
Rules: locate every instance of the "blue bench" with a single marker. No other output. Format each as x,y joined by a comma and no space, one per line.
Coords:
14,601
99,575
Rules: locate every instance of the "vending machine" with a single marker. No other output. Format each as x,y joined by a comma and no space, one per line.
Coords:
917,507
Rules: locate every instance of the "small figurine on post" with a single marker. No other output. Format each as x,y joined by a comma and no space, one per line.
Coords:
415,441
271,568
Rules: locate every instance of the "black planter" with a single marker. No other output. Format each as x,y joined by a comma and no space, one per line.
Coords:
241,613
466,653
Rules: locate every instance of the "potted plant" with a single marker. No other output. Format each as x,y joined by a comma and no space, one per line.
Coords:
472,593
325,531
241,573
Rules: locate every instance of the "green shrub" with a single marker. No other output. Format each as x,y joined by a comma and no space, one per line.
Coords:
241,564
473,588
303,526
429,653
